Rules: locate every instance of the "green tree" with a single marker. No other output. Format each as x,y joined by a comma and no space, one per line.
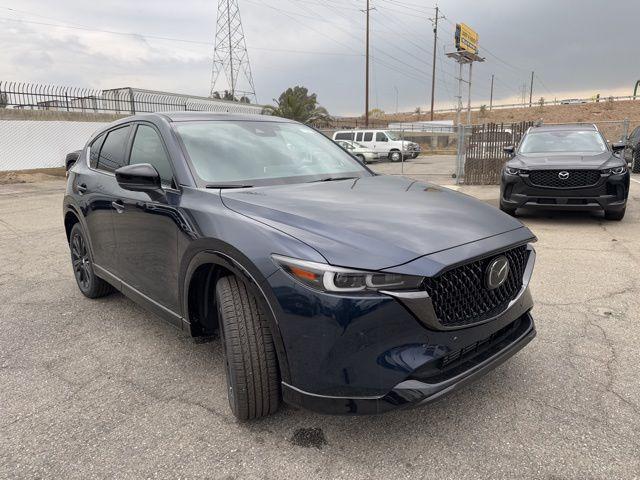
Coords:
297,104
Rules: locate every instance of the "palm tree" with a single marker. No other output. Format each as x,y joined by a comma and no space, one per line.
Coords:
296,104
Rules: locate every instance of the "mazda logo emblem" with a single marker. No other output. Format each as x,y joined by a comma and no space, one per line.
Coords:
497,272
563,175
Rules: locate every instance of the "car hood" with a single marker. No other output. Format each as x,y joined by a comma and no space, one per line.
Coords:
374,222
555,161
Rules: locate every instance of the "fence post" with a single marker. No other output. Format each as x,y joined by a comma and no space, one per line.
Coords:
132,101
625,130
66,100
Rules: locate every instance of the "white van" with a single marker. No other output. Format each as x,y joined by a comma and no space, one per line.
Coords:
383,142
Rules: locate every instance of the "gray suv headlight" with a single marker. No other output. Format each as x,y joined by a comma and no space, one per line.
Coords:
615,171
328,278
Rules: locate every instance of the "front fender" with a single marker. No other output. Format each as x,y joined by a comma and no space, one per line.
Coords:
226,256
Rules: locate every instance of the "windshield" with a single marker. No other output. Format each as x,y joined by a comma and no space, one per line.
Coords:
263,153
563,141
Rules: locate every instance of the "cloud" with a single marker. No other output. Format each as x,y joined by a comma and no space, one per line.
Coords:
574,51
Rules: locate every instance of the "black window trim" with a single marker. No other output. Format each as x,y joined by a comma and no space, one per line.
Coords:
106,133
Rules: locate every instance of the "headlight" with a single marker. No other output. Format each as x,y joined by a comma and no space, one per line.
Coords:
512,171
615,171
328,278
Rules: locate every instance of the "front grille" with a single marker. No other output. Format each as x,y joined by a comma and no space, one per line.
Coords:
460,297
576,178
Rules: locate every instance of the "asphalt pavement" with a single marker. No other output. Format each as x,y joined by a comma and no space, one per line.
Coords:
103,389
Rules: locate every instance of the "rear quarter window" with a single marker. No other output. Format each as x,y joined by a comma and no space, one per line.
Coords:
94,150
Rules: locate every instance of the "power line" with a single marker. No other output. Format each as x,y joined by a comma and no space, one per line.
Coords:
170,39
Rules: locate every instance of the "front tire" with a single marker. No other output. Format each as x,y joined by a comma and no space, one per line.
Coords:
251,363
89,284
362,159
615,215
395,156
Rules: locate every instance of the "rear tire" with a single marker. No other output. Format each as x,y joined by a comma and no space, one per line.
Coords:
395,156
616,215
251,364
362,159
89,284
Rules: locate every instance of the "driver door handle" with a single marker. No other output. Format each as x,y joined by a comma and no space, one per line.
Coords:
118,205
82,188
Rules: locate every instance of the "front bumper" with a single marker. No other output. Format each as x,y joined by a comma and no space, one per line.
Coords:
371,354
610,193
417,391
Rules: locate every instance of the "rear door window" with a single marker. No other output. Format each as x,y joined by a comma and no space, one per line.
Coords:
112,153
359,137
368,136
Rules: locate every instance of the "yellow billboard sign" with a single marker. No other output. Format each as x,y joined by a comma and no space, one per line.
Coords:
466,38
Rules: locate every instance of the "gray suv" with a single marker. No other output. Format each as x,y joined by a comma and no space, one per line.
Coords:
566,167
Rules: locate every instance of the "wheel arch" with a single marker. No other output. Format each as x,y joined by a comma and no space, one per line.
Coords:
71,217
204,269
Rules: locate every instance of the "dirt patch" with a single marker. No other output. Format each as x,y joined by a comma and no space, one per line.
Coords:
31,176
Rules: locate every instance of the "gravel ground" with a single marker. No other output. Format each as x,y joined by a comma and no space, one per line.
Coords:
102,389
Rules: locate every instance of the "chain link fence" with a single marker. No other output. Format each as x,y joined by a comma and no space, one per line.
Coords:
15,95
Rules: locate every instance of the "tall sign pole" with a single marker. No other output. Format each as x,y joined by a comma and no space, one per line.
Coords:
466,41
469,99
435,49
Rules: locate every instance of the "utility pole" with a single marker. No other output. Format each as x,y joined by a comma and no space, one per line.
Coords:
531,91
366,102
396,89
491,97
435,49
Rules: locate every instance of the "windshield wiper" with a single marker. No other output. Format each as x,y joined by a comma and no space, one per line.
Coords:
224,186
333,179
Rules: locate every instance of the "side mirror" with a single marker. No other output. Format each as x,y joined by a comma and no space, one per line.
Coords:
510,150
618,146
141,177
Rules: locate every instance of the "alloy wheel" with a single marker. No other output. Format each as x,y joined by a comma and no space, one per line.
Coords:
81,261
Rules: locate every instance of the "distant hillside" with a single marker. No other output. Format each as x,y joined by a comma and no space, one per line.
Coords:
588,112
603,111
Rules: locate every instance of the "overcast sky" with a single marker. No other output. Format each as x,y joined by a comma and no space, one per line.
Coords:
577,48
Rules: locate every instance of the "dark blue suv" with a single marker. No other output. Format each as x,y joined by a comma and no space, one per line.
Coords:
331,287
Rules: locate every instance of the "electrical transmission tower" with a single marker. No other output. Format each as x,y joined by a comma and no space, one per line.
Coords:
231,69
